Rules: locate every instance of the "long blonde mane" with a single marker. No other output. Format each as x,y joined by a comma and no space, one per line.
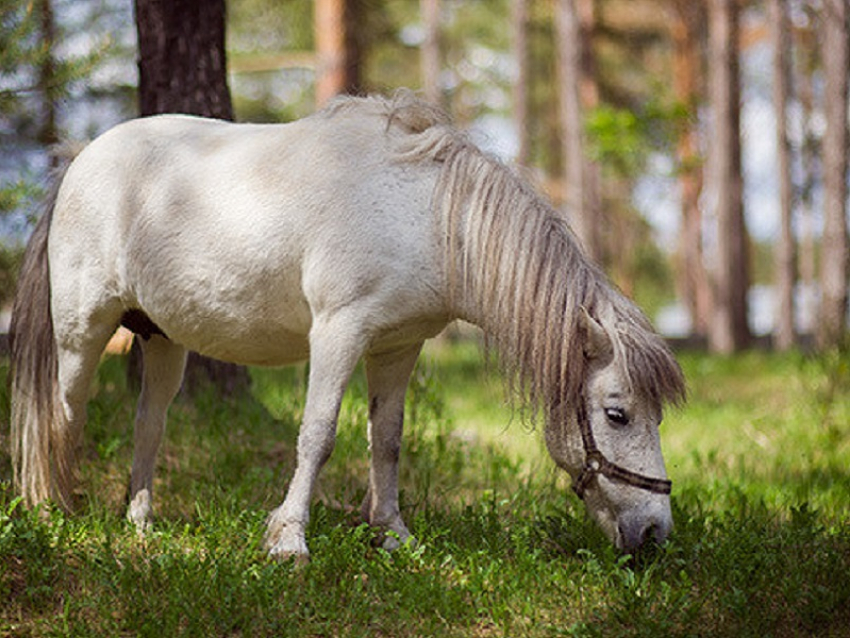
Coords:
513,258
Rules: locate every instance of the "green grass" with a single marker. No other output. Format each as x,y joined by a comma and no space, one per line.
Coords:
760,459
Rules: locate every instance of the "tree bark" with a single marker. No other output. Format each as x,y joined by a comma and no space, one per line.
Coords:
183,69
833,311
48,85
519,19
687,23
729,330
577,92
784,335
808,48
431,51
338,48
182,60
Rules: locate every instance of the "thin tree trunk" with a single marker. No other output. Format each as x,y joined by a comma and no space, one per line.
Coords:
833,310
338,49
784,334
589,88
692,280
729,331
576,93
49,133
569,71
520,92
808,264
430,51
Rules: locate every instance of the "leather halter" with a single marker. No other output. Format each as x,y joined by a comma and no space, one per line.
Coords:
595,463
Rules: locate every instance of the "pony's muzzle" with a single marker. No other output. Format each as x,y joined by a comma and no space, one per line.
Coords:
636,530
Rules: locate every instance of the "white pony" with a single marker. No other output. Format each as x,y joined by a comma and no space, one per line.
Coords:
358,232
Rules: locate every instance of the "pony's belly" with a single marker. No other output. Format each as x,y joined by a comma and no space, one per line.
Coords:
263,335
263,347
235,318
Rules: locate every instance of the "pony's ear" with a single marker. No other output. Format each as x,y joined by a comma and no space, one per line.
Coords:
595,342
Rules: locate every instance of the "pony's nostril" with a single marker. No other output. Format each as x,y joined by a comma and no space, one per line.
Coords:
639,528
634,537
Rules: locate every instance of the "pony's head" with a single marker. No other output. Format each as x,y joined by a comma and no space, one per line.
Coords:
607,437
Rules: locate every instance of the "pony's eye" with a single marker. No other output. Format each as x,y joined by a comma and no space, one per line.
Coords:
617,416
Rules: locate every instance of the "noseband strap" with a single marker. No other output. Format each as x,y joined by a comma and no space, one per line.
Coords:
595,463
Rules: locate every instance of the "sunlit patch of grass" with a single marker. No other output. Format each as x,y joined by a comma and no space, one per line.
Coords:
756,421
482,412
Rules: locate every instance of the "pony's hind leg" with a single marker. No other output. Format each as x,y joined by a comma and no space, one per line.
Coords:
388,375
164,363
77,357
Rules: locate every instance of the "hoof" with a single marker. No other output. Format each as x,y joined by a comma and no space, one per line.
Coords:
298,561
391,540
284,540
139,512
284,552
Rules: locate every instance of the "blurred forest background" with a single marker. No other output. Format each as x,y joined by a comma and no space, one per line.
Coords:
697,147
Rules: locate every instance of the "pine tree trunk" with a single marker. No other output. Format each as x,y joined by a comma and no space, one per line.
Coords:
519,20
183,69
577,93
182,60
834,38
784,335
338,48
808,152
49,133
729,331
430,51
687,23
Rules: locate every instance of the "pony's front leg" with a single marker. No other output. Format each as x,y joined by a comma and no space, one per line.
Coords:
333,354
164,362
388,375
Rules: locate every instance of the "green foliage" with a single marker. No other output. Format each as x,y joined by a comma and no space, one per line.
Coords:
17,32
269,25
15,196
18,196
10,264
30,67
761,547
621,139
268,41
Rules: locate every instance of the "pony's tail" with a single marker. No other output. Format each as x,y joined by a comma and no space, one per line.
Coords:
43,459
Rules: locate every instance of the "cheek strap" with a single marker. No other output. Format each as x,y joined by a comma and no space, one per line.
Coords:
595,463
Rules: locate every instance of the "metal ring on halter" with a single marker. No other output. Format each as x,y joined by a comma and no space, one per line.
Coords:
595,463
